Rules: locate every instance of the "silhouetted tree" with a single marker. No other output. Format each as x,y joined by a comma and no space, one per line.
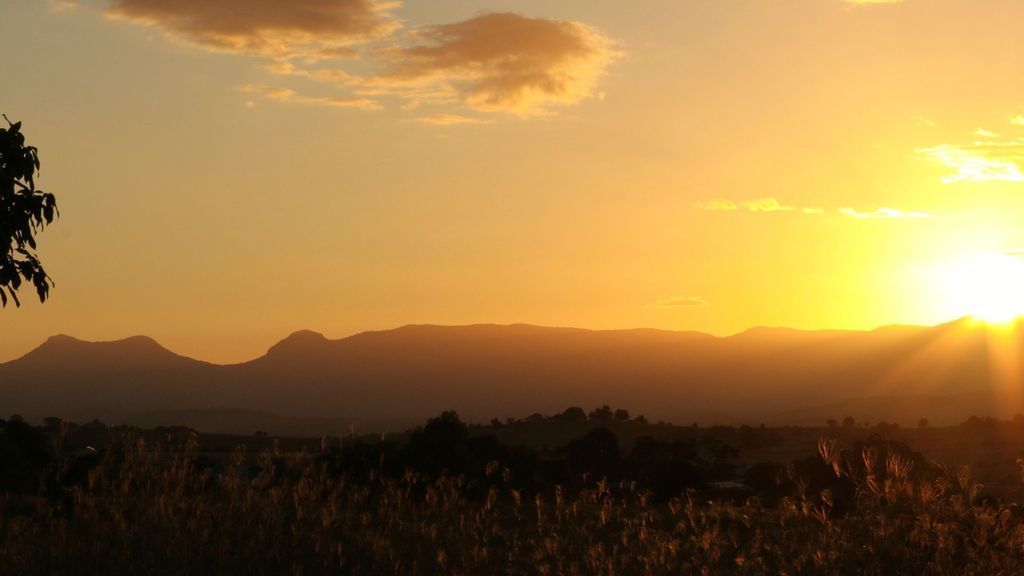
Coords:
622,414
750,438
664,467
849,422
573,414
52,423
26,454
24,211
719,456
980,423
441,444
886,428
922,423
535,418
602,414
769,480
596,453
831,422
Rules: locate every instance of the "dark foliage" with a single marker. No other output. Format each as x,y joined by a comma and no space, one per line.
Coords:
596,453
602,414
24,211
573,414
443,501
666,468
26,455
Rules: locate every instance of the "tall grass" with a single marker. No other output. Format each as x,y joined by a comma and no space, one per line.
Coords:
151,509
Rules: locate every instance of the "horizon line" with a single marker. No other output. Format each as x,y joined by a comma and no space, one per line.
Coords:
491,324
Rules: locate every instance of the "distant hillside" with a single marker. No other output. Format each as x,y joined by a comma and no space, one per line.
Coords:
904,410
485,371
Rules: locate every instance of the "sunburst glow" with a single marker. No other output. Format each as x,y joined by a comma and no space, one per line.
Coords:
989,287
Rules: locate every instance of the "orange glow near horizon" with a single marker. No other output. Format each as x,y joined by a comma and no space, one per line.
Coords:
227,176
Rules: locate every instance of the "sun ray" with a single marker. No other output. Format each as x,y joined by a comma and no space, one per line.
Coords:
930,358
1005,367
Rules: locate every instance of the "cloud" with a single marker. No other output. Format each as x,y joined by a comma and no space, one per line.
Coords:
495,62
980,161
448,119
273,28
765,205
285,68
884,213
991,158
499,62
682,302
62,5
280,94
755,205
718,205
773,205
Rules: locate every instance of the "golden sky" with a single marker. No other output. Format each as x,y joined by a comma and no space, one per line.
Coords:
229,172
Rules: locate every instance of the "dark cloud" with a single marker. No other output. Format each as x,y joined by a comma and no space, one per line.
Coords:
494,62
274,28
504,62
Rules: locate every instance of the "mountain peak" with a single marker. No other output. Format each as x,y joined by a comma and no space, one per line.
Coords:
70,351
299,342
303,337
62,340
66,340
140,342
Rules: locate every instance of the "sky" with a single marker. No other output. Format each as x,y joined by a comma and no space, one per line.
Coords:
230,172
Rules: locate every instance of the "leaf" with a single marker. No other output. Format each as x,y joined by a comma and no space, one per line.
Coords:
24,212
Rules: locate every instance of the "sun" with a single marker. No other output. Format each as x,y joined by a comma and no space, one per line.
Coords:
988,287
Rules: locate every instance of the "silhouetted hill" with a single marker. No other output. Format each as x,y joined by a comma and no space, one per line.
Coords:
66,352
229,421
85,380
300,344
898,409
485,371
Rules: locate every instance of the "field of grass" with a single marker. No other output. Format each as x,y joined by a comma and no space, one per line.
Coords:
150,506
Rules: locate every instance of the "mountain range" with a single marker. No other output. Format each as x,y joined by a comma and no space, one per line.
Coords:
387,380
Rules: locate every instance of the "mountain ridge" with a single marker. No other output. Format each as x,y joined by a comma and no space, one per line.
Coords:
309,335
487,370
